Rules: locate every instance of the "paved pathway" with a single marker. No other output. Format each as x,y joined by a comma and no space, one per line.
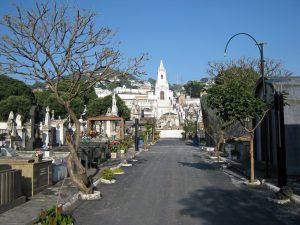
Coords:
173,185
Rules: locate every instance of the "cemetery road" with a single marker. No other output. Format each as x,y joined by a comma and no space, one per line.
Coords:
173,184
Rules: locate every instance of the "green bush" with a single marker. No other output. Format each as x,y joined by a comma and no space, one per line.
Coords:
107,174
53,216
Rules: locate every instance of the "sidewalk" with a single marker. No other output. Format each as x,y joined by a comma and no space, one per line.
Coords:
293,182
243,169
63,192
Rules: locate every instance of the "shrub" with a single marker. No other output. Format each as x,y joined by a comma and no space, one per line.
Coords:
117,170
53,216
107,174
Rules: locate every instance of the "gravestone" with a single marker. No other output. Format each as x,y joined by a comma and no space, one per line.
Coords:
34,140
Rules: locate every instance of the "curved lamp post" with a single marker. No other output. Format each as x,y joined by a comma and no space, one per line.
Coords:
260,46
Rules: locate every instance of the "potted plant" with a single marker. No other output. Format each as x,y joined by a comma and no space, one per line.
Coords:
114,148
123,147
54,216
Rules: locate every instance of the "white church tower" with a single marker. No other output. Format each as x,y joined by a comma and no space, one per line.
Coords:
163,94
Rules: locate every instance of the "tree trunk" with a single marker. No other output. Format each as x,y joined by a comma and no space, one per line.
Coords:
251,158
218,148
76,171
219,143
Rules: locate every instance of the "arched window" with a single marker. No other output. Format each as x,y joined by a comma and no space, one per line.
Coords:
162,95
161,76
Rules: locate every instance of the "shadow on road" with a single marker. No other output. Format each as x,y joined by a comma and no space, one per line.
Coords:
198,165
219,206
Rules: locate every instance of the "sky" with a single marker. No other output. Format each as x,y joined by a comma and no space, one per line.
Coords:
187,34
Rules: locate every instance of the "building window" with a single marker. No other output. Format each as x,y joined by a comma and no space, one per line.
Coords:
162,76
162,95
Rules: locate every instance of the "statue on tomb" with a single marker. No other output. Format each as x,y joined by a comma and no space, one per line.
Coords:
108,112
19,121
114,109
47,117
11,126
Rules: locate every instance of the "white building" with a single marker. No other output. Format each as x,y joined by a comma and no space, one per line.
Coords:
163,94
145,100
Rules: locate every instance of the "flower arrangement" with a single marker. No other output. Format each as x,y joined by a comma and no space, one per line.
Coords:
54,215
38,156
114,146
38,153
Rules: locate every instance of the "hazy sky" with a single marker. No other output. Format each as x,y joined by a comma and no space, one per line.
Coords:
187,34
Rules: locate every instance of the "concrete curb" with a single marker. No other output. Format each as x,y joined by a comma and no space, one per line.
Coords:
295,198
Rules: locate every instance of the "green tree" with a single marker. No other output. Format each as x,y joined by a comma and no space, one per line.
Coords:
99,107
18,104
232,96
50,42
96,108
47,99
189,129
193,88
15,96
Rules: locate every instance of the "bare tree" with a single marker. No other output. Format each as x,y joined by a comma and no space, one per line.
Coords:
53,42
271,67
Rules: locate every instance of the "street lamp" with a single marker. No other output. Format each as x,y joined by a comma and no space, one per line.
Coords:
260,46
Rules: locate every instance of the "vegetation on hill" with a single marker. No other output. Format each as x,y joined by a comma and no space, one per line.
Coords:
15,96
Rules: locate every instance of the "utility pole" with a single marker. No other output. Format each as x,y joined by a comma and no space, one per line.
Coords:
136,126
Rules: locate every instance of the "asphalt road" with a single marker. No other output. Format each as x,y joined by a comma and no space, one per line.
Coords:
173,184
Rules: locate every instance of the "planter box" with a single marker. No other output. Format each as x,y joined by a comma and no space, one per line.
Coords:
113,155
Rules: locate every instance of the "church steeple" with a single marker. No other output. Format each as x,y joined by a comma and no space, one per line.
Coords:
161,66
161,74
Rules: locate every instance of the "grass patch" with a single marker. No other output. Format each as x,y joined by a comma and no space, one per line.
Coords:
107,174
117,170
